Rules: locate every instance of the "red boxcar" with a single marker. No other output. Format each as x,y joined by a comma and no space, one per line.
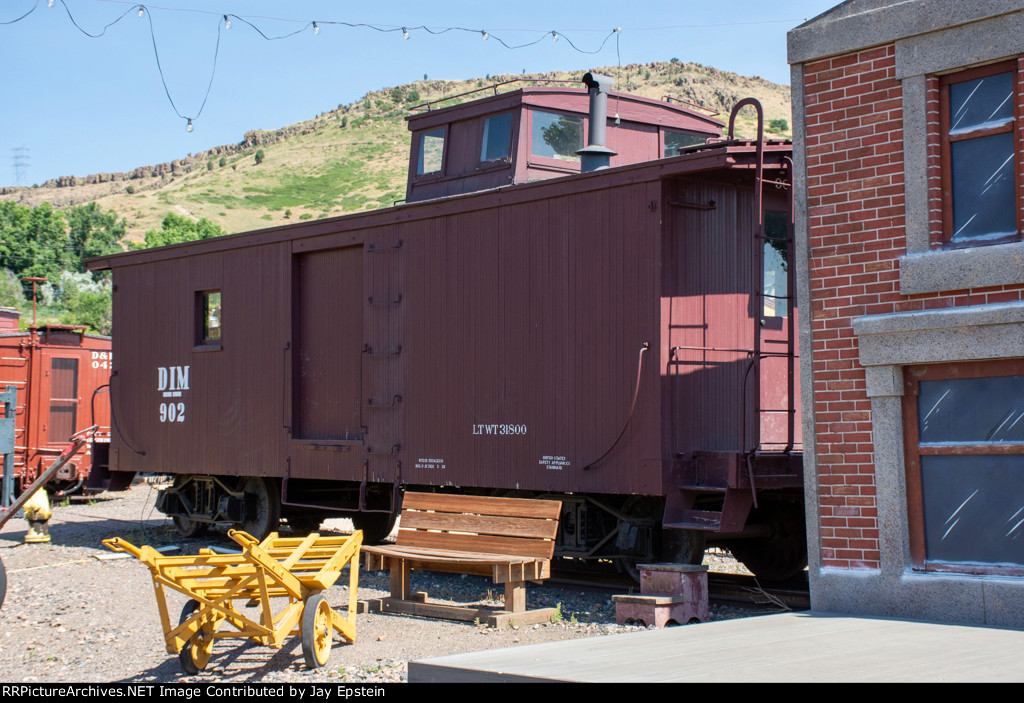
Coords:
60,374
622,338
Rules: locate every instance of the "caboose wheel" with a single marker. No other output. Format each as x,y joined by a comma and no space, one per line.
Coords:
3,583
316,631
195,655
644,516
262,506
375,526
189,528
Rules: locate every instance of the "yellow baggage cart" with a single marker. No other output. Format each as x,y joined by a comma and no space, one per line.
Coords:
218,586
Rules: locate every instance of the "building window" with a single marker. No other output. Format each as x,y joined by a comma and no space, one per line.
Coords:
674,141
557,136
497,140
431,152
208,316
964,437
979,129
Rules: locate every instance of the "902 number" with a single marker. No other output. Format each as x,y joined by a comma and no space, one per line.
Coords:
172,412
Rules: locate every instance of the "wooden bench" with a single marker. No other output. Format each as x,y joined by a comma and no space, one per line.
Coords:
509,539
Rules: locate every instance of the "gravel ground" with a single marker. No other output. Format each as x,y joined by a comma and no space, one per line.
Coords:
70,617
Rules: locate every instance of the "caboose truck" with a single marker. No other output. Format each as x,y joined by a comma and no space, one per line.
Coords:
622,337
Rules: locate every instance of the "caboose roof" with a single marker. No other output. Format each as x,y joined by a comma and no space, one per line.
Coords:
722,157
628,107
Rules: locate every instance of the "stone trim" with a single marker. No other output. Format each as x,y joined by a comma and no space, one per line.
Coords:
848,28
969,333
802,261
961,269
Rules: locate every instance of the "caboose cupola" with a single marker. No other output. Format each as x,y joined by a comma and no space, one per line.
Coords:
532,133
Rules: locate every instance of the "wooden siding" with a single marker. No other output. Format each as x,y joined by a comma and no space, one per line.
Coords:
500,335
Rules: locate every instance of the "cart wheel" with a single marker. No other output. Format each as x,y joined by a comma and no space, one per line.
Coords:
316,631
195,655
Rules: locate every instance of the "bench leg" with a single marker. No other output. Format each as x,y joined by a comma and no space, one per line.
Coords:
400,573
515,596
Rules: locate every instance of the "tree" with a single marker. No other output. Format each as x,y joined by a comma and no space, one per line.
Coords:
12,295
176,229
259,156
33,241
92,232
80,300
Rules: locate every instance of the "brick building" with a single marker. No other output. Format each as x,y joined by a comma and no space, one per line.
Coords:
909,127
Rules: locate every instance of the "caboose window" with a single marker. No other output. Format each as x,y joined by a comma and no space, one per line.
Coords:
557,136
209,309
776,231
497,140
431,155
674,141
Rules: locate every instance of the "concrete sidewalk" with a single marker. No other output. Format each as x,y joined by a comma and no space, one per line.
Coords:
790,647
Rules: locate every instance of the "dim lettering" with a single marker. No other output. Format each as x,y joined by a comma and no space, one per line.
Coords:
172,378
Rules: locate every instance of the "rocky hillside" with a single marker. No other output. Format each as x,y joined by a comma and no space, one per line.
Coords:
351,158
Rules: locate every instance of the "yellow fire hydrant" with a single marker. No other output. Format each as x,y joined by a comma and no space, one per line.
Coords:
37,512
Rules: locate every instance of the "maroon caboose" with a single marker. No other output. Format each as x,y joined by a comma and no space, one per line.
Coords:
608,323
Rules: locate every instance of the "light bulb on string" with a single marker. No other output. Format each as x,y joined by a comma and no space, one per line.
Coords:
405,33
485,35
188,127
227,22
51,4
554,37
316,29
142,9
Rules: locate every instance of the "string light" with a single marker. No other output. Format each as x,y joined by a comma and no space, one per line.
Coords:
144,11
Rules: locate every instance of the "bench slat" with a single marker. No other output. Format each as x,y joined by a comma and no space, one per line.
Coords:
483,505
480,524
539,549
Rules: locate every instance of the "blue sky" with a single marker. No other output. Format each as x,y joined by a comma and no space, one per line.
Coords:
74,105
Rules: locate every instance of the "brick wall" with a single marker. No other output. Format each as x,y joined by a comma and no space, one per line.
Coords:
855,205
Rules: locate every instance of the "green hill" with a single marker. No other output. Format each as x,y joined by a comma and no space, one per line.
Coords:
352,158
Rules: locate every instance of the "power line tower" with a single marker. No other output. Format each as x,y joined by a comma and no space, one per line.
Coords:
19,162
